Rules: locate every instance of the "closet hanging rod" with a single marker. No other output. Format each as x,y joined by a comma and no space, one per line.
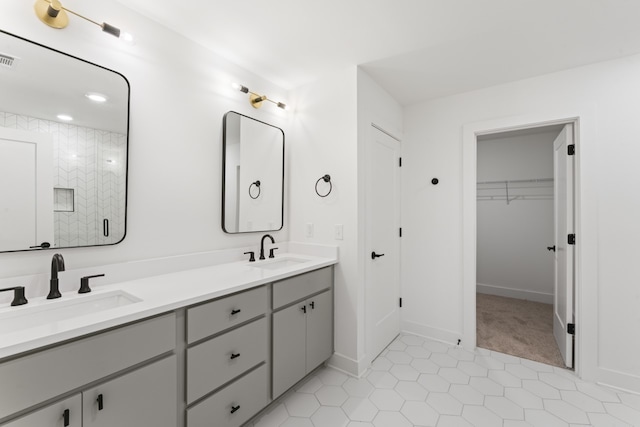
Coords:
516,181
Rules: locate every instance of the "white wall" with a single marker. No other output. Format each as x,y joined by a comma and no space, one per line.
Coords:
179,94
512,259
324,131
607,98
331,122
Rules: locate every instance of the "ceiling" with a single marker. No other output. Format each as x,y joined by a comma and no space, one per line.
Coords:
415,49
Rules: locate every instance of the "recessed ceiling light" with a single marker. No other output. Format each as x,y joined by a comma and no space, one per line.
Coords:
65,117
96,97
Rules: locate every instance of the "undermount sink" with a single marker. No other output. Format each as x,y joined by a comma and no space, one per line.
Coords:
279,263
48,312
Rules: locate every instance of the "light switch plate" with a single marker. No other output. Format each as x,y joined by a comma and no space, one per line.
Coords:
309,229
338,232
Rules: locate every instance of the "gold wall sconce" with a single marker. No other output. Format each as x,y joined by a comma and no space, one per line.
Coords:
255,99
52,13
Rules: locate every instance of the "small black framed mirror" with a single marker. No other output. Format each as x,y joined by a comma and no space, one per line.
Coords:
252,175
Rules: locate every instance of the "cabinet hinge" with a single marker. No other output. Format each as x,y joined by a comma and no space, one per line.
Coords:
571,239
400,302
400,161
571,149
400,231
571,328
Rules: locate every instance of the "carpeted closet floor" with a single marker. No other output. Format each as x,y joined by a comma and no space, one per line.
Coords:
517,327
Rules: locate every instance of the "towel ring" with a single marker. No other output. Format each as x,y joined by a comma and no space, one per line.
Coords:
325,178
257,184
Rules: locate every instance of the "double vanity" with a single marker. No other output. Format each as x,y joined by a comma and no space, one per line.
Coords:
202,347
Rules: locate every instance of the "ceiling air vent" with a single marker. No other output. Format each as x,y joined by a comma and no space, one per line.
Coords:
7,60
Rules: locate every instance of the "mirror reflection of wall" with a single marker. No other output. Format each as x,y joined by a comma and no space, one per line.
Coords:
253,152
78,196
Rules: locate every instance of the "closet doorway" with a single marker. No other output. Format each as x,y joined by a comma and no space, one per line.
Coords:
524,206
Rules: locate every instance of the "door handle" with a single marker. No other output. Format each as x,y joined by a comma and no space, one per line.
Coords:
551,248
375,255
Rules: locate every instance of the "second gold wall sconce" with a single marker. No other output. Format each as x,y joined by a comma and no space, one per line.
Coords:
255,99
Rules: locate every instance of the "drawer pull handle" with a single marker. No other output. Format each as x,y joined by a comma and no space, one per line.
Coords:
234,355
304,309
100,401
65,417
313,305
234,312
234,408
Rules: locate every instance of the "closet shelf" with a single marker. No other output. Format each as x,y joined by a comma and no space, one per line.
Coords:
516,189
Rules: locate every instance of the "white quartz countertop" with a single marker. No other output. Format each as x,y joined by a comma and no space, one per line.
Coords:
156,295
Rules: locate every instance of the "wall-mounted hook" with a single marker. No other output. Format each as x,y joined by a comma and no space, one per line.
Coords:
325,178
257,184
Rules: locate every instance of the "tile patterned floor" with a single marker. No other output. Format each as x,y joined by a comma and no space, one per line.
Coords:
418,382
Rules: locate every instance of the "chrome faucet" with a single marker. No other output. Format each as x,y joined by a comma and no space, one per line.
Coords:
262,244
57,265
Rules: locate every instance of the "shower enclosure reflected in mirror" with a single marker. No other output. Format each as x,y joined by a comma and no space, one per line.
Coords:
63,149
252,175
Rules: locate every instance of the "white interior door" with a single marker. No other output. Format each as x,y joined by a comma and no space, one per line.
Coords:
382,273
564,282
26,189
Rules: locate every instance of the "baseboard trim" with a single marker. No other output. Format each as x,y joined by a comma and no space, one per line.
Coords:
514,293
442,335
347,365
621,381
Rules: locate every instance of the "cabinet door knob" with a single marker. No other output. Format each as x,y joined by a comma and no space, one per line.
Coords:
234,312
304,309
65,417
235,355
100,401
234,408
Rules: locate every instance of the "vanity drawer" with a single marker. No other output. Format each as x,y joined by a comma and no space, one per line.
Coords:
43,375
216,316
249,395
299,287
209,364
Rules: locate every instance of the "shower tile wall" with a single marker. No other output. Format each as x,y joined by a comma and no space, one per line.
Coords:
85,160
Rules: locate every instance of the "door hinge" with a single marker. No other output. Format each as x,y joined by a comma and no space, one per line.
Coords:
400,161
400,231
400,302
571,239
571,328
571,149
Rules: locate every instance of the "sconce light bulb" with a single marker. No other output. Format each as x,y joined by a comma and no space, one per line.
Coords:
110,29
127,38
241,88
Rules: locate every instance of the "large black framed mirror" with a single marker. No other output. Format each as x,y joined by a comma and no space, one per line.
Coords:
64,128
252,175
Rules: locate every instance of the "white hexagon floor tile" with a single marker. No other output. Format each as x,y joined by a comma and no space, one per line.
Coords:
419,382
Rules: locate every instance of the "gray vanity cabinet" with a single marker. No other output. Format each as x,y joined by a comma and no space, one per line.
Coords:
227,359
138,385
302,330
67,413
146,397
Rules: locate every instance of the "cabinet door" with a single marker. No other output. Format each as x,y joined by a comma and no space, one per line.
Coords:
146,397
66,413
319,329
289,347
